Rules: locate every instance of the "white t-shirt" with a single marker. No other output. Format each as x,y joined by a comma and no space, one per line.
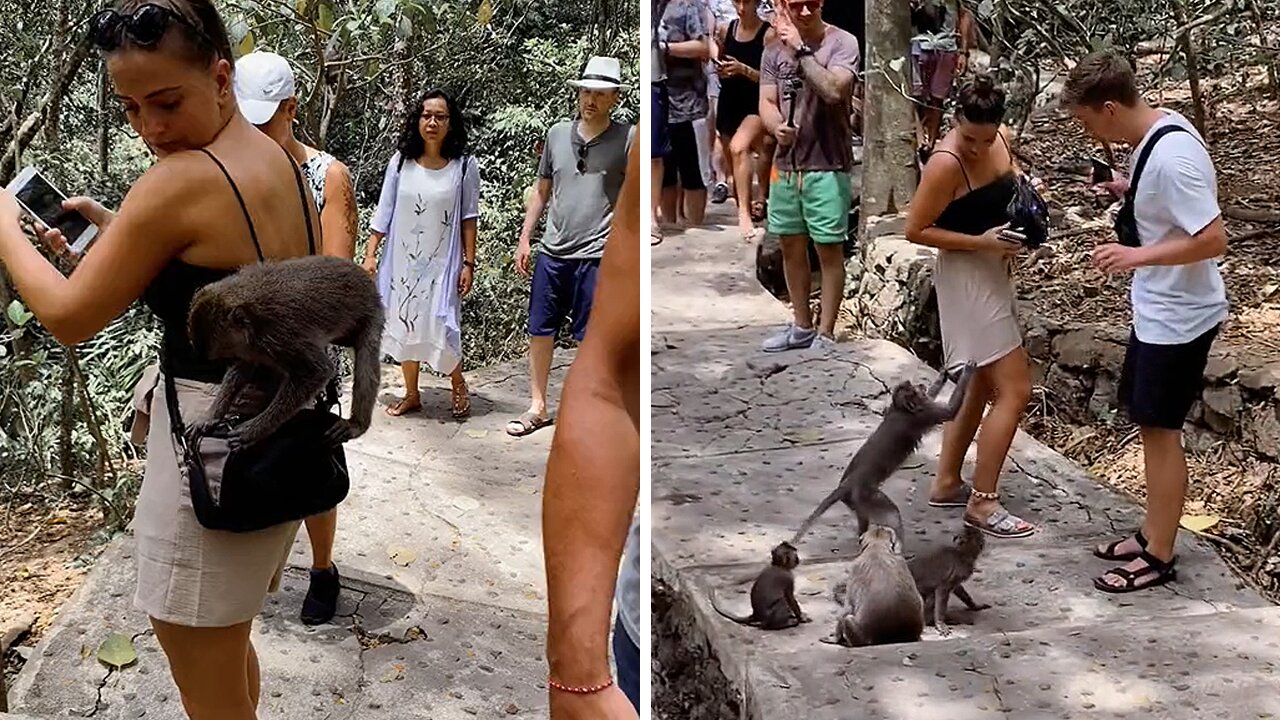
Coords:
1174,304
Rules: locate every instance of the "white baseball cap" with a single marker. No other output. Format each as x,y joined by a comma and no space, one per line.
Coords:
263,81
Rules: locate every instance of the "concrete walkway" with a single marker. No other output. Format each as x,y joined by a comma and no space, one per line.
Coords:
746,443
443,608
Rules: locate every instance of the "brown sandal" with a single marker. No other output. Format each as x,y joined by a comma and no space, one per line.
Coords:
461,401
402,407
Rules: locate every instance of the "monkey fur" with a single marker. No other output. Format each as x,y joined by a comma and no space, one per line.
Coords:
280,317
773,594
939,573
881,603
910,415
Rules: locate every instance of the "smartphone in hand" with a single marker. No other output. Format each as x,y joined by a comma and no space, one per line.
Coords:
43,201
1012,236
1102,172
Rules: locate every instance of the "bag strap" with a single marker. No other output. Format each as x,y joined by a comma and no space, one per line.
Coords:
1132,192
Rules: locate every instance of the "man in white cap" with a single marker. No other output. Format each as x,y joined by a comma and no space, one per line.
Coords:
579,178
264,87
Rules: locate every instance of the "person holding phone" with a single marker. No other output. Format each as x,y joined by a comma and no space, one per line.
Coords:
961,208
220,196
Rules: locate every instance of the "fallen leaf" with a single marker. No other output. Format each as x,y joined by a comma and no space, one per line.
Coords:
803,436
1199,523
401,556
117,651
477,434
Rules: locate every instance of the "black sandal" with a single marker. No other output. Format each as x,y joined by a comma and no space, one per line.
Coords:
1110,552
1165,571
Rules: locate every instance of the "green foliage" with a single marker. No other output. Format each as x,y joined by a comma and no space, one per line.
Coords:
358,63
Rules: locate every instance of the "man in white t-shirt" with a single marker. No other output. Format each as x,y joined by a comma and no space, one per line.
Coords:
1170,235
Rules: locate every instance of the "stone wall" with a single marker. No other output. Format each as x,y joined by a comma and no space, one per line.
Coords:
889,293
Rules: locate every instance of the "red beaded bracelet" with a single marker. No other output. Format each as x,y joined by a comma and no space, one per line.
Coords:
579,691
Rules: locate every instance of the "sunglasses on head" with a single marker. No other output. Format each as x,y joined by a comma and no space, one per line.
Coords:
145,27
810,5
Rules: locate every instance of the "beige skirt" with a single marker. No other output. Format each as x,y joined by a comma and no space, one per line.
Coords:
977,308
189,575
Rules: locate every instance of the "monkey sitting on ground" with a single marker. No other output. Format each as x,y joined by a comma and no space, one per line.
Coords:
940,572
910,415
280,317
773,594
881,603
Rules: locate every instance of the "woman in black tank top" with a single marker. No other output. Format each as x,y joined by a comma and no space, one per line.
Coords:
738,111
960,208
196,216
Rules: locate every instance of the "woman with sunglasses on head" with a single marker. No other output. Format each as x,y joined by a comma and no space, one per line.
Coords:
221,196
427,214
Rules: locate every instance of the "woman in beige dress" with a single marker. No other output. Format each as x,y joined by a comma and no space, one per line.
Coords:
220,196
960,209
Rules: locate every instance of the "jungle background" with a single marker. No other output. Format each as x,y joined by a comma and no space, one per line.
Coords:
68,476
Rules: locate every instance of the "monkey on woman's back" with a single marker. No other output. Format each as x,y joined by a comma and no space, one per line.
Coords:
279,317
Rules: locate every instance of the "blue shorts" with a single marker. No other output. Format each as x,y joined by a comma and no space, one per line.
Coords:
626,660
659,134
561,289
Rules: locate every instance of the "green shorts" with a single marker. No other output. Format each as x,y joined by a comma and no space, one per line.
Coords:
813,203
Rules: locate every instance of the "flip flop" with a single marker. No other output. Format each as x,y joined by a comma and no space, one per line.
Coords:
959,498
527,422
1001,524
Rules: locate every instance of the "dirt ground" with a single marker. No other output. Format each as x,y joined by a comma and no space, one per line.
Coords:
44,554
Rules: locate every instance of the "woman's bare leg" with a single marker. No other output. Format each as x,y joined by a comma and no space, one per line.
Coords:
412,399
1011,379
215,669
958,435
740,152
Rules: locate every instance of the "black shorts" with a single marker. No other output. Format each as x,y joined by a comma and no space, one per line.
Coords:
661,135
683,165
1160,383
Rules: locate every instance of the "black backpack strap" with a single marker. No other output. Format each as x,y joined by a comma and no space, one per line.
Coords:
1132,192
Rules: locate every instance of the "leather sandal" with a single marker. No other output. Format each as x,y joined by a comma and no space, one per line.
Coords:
1110,552
1164,571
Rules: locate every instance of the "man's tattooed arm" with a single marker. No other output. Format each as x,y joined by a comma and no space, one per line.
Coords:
339,218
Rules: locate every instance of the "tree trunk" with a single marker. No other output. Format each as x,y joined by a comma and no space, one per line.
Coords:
66,458
53,117
1193,63
888,163
1259,23
104,124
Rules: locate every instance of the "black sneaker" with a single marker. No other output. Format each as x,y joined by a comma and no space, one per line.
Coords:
322,597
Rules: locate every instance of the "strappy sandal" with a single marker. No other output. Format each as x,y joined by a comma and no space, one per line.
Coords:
526,423
1110,552
959,498
655,235
1001,524
1164,571
461,401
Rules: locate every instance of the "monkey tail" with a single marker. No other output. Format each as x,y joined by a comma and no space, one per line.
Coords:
740,619
368,372
823,506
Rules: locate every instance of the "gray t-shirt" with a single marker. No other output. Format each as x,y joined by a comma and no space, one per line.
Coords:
1177,194
580,211
824,138
685,20
627,594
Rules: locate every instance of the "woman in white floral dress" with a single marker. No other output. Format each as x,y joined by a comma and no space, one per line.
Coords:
427,214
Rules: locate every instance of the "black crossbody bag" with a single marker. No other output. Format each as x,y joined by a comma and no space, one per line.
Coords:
1126,223
290,475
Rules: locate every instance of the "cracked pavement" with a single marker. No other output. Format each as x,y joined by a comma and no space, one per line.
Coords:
450,628
745,444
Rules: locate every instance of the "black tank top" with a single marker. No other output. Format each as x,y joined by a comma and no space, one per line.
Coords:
982,208
169,295
748,53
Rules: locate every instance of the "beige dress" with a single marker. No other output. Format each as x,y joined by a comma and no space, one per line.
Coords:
189,575
977,308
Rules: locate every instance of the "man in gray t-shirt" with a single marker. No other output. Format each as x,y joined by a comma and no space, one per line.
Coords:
806,97
684,41
579,178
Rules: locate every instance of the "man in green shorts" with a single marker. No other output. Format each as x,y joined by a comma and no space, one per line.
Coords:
812,194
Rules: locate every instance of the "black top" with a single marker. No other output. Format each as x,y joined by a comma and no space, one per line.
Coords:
748,53
982,208
169,295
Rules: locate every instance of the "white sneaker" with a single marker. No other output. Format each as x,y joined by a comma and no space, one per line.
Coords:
822,343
